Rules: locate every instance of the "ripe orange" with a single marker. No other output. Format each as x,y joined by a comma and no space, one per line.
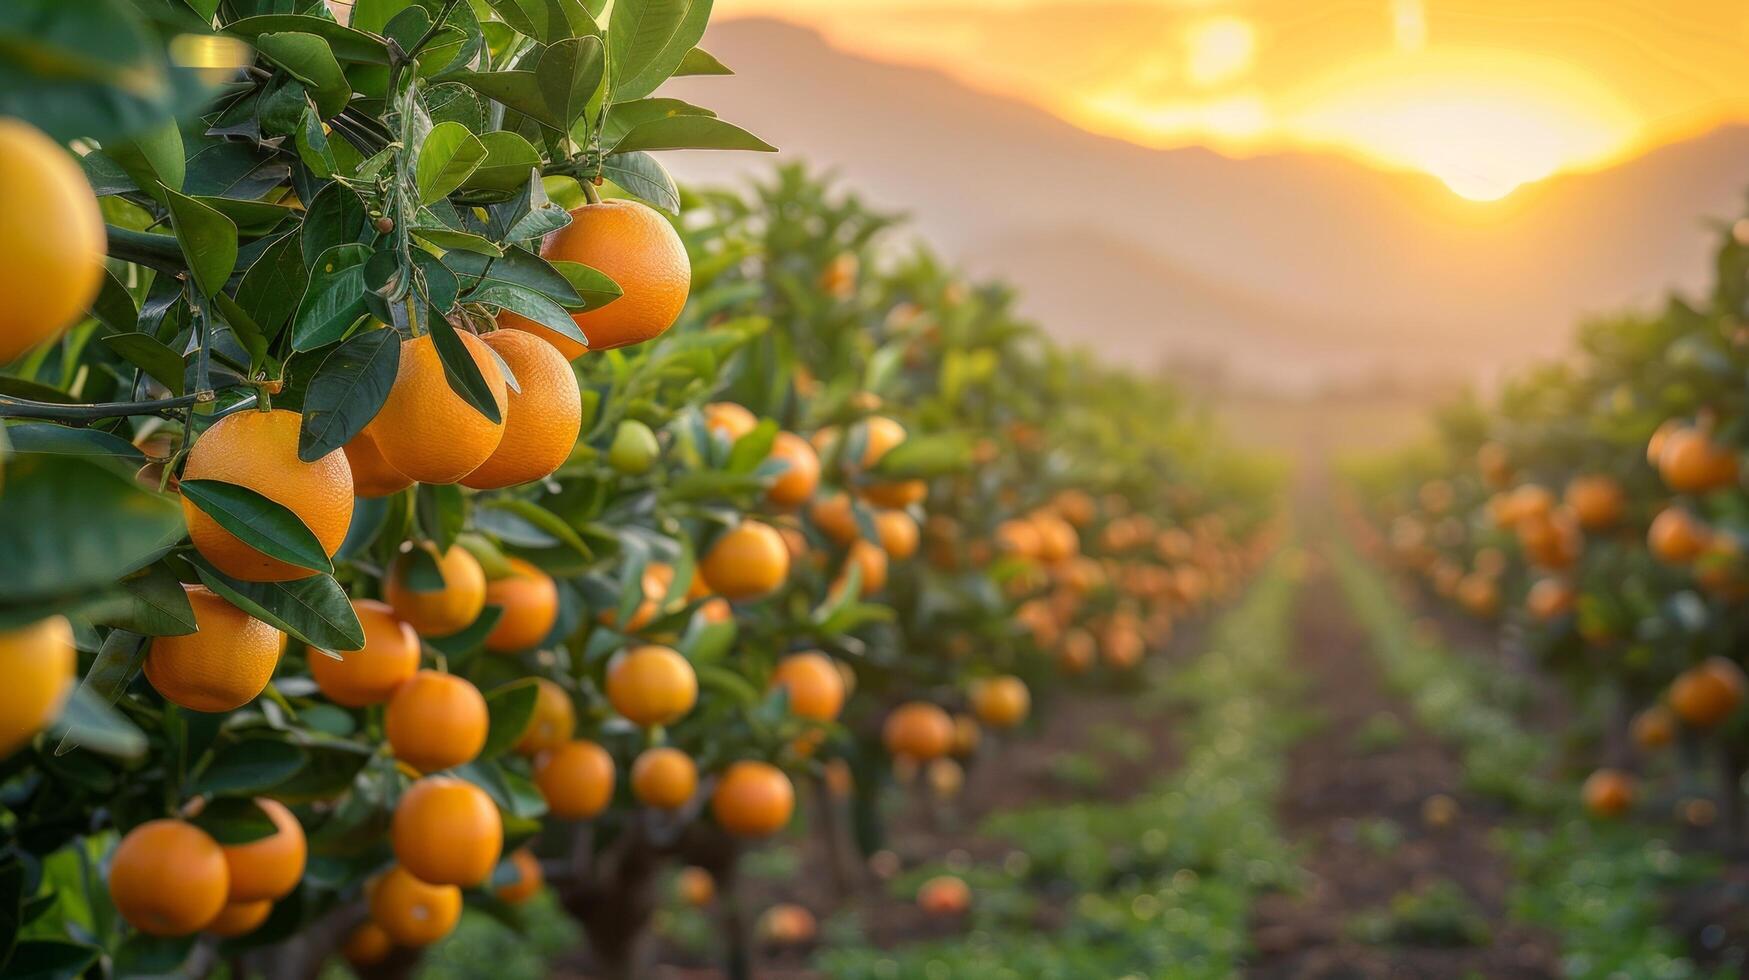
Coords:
816,688
1676,536
873,563
651,685
530,599
835,518
664,778
1001,702
444,611
268,868
638,249
1479,595
554,719
1550,598
944,895
447,832
795,485
168,878
729,420
898,533
838,279
883,435
1058,541
918,730
1121,646
53,245
424,429
656,579
896,494
1690,462
696,886
367,946
1075,506
259,450
1077,651
542,420
37,665
1708,693
966,735
576,779
753,799
221,666
1495,464
412,912
1020,538
1608,793
787,925
240,918
746,561
529,879
435,721
1654,728
372,476
1596,500
370,674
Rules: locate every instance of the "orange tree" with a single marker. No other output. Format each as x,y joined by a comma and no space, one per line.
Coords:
1597,505
420,527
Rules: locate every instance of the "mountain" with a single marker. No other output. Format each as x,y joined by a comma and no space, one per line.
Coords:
1298,266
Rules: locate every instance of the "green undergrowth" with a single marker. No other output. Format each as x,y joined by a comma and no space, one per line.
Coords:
1600,888
1159,886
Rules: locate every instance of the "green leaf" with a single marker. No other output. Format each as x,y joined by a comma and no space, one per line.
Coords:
460,371
650,39
595,288
569,73
248,767
446,239
150,355
334,298
273,286
698,61
234,820
516,89
927,456
70,524
459,646
253,219
531,304
510,707
329,769
509,160
315,609
543,519
265,525
65,440
344,43
643,177
441,513
347,391
623,117
208,241
518,266
545,21
310,60
118,662
450,155
516,795
724,681
155,605
152,157
48,959
690,133
92,723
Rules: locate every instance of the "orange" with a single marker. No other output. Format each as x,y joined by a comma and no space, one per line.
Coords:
367,946
554,719
651,685
576,779
424,429
542,419
1479,595
268,868
240,918
372,476
412,912
1690,462
882,436
53,245
1608,793
746,561
1596,500
966,735
836,519
529,879
816,688
1654,728
37,666
635,247
838,279
447,832
371,674
1057,540
1020,538
696,886
1551,540
1001,702
787,925
944,895
1550,598
1495,464
168,878
656,579
1435,496
1677,537
259,450
221,666
729,420
435,721
1120,645
1076,507
530,599
1660,436
898,533
896,494
664,778
447,610
1708,693
873,563
753,799
801,475
918,730
1077,651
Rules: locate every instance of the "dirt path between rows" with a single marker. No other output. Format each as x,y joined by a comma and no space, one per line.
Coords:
1355,799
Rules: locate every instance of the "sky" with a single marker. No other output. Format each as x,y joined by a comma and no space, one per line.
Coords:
1486,95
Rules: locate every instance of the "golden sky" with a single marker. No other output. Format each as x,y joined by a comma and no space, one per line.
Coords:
1486,95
